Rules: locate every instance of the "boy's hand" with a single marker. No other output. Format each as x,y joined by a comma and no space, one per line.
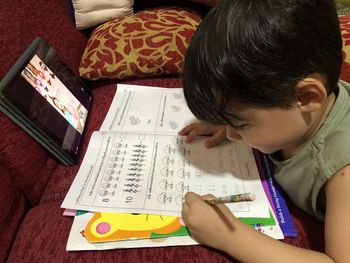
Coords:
209,225
217,133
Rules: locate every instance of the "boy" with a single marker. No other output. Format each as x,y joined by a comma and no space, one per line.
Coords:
267,71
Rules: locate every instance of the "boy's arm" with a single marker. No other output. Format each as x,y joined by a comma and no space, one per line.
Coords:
215,226
337,231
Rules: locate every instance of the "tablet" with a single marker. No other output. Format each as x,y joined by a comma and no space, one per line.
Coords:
44,97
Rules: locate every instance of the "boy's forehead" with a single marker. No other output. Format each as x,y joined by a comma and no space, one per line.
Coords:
238,110
235,109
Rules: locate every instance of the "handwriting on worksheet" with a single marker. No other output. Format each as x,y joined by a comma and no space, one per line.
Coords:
136,163
147,173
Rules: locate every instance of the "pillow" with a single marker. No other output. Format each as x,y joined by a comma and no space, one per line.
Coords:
150,42
345,31
87,13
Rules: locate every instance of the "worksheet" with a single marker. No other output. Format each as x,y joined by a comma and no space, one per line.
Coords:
147,109
149,171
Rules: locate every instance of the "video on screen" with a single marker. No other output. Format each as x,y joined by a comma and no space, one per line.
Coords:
46,83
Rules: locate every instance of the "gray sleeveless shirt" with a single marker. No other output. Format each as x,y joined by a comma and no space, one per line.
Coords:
303,175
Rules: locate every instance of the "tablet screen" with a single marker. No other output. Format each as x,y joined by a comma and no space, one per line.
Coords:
51,88
48,93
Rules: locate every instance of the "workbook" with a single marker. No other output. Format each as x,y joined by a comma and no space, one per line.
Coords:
137,163
82,237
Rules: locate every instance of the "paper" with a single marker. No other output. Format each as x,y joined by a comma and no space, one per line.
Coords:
147,110
107,226
149,172
77,241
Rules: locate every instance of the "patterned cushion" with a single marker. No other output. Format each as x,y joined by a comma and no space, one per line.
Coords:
345,30
151,42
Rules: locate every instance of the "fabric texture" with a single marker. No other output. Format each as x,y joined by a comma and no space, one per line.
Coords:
13,208
91,13
206,2
304,175
31,174
151,42
345,31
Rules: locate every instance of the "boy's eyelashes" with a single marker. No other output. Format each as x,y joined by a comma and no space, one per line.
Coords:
238,126
236,122
229,119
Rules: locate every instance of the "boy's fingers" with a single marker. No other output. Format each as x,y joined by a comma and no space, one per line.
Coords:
191,135
185,209
185,130
207,196
214,140
191,197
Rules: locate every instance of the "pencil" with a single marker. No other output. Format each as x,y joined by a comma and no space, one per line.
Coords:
231,199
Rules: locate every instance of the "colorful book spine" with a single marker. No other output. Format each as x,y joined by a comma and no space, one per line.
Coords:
275,194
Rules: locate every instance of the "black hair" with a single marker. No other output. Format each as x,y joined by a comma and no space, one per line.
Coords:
255,52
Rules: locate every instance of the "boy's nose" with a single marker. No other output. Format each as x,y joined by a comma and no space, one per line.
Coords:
232,134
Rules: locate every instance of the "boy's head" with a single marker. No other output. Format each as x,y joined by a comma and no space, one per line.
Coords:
256,51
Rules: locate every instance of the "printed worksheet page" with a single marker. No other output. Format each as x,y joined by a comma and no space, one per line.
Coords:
149,173
148,110
137,163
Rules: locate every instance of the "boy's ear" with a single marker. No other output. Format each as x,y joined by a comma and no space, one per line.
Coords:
312,94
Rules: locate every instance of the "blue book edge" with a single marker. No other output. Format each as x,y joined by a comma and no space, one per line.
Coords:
265,167
72,11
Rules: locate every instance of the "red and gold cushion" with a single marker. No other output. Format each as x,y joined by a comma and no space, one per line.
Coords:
148,43
345,31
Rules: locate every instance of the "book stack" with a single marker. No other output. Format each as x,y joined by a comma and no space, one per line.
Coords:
131,184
